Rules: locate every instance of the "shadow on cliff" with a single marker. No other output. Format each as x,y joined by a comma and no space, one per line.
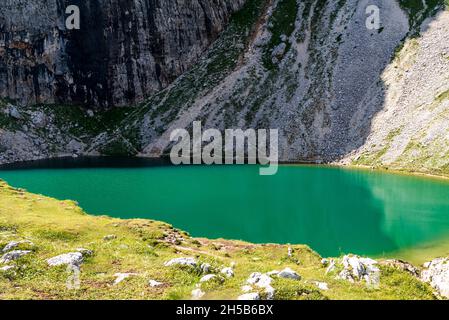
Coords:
351,121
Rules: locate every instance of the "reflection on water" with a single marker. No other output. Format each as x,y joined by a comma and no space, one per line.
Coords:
333,210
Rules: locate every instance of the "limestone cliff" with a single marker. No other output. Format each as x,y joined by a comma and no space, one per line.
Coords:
124,51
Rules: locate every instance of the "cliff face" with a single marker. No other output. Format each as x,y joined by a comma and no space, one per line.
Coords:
125,50
335,89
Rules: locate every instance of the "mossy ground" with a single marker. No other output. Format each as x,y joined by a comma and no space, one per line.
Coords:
142,247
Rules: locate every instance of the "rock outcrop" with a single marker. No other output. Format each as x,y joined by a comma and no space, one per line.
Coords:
356,268
72,258
436,273
123,52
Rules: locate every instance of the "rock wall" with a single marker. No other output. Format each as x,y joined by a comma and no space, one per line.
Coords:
125,50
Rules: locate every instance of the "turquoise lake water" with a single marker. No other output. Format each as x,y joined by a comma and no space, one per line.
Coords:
332,210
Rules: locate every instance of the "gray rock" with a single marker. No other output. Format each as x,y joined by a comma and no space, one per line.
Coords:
436,273
357,269
228,272
401,265
72,258
191,262
14,113
85,252
260,280
279,51
322,285
197,294
155,284
249,296
14,244
7,268
288,273
13,255
122,276
205,267
110,237
208,278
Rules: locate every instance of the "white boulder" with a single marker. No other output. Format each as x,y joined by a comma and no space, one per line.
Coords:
72,258
288,273
197,294
154,283
249,296
13,255
322,285
228,272
208,277
191,262
15,244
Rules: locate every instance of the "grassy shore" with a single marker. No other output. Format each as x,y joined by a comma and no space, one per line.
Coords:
142,246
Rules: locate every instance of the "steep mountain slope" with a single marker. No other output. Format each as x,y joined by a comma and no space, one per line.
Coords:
337,91
411,131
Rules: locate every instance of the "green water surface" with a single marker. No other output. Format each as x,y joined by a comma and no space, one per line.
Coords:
332,210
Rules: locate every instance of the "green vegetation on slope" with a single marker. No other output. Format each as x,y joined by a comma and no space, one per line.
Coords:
142,246
281,23
419,10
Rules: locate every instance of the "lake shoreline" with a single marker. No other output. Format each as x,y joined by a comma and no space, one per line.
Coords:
139,161
153,243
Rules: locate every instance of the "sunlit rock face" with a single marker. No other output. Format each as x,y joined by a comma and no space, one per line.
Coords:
124,51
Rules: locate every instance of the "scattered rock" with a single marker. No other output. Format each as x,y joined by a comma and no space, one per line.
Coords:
288,273
259,279
122,276
279,50
72,258
324,262
154,283
15,244
262,281
402,265
208,277
110,237
228,272
13,255
197,294
249,296
6,268
39,119
14,112
322,285
436,273
331,267
191,262
357,268
205,268
85,252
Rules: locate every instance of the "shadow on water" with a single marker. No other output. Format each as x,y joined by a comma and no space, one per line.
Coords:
333,210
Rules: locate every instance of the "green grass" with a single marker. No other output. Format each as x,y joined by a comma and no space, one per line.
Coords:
282,22
142,247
